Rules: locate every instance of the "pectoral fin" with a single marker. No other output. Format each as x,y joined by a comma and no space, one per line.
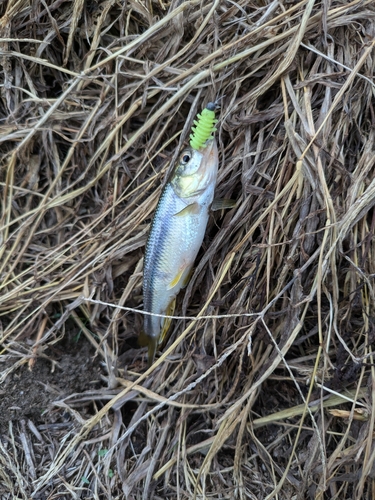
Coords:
222,204
192,209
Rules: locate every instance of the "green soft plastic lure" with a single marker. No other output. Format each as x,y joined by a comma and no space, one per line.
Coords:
204,127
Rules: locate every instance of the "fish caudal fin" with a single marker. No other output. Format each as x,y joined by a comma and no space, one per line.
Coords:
152,345
151,342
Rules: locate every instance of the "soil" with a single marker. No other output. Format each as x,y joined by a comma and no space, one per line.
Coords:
65,369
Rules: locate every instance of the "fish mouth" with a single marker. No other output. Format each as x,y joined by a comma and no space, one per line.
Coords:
207,172
208,147
210,155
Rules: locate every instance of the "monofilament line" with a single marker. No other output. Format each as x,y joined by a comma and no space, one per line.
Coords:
191,318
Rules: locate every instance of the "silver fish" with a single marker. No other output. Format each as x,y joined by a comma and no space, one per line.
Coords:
176,236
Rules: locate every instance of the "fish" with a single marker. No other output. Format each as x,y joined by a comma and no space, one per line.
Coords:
178,229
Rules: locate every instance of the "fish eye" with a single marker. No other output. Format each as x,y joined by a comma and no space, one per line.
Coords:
186,157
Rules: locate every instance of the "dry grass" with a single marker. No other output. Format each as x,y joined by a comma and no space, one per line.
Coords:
266,386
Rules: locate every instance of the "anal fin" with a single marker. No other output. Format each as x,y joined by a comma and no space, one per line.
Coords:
167,321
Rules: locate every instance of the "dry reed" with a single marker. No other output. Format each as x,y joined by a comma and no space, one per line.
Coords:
265,388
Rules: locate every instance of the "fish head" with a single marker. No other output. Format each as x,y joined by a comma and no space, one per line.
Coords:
196,170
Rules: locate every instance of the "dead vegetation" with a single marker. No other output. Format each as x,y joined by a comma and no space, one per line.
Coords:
265,388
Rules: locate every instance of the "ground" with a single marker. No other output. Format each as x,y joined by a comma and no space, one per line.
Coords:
64,369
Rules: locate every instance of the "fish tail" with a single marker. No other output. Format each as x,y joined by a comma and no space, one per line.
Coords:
152,345
151,342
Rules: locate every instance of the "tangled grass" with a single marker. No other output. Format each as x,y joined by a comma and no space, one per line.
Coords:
265,388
